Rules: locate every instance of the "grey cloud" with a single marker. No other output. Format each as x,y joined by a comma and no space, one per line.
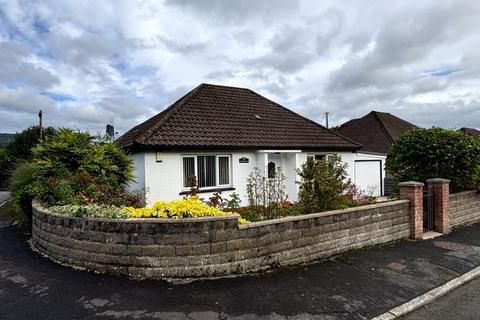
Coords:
403,39
16,70
23,101
239,11
454,114
220,75
278,89
123,107
330,24
343,57
81,50
290,51
185,48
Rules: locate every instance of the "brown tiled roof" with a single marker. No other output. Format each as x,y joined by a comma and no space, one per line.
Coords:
376,131
471,131
213,116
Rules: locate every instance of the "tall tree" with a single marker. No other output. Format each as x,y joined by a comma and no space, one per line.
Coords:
20,148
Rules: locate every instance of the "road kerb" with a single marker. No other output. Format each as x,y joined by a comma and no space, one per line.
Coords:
430,296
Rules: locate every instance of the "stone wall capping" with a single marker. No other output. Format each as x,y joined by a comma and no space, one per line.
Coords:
321,214
411,184
438,180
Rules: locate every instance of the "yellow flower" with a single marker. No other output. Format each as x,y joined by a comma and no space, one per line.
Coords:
176,209
243,221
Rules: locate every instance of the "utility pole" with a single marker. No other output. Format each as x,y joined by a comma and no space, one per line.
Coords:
40,127
326,119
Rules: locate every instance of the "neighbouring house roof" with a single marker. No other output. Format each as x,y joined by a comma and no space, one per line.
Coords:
471,131
213,116
376,131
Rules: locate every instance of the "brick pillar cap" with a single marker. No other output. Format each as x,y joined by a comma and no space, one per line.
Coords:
411,184
438,180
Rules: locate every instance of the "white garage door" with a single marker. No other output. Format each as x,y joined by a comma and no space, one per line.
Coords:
368,176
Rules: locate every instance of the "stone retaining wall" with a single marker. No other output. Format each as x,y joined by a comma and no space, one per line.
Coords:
464,208
213,246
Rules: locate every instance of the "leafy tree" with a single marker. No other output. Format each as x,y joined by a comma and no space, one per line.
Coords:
323,185
72,168
422,154
20,148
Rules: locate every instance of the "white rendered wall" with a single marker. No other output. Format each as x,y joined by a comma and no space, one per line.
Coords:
163,180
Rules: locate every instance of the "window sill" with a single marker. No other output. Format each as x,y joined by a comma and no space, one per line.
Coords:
209,190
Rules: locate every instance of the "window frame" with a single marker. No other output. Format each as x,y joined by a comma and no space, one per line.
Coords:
327,155
217,170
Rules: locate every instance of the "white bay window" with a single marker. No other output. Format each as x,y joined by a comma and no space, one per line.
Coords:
211,171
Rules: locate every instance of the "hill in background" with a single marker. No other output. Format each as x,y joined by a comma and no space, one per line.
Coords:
5,138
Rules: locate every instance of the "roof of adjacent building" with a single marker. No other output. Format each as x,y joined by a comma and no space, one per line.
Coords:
213,116
376,131
471,131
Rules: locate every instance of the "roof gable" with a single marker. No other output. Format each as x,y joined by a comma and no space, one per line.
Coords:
471,131
213,116
376,131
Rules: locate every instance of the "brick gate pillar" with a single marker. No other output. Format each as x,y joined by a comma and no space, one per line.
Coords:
440,188
413,191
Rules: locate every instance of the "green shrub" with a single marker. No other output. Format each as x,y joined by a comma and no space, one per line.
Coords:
323,185
91,211
22,195
423,154
72,168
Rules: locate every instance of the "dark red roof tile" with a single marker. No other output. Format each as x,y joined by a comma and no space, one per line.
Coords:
213,116
376,131
471,131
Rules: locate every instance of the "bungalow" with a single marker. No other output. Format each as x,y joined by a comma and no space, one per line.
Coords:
221,134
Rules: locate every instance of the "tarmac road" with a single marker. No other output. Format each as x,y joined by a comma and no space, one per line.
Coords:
358,285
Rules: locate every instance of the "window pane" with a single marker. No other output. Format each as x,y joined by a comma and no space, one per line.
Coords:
188,170
223,171
319,157
206,171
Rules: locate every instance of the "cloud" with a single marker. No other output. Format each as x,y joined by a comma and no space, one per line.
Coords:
239,11
17,69
23,101
85,62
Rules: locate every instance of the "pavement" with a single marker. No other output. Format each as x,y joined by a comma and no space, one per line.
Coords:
4,195
461,303
358,285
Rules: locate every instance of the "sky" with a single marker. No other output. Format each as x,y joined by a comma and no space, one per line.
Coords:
88,63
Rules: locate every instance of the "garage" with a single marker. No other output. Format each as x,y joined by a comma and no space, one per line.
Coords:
369,177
